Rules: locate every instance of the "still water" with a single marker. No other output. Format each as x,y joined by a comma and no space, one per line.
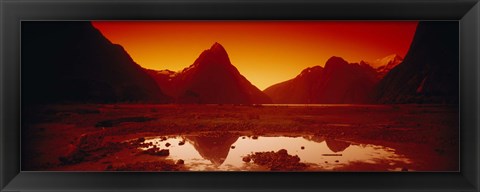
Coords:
225,152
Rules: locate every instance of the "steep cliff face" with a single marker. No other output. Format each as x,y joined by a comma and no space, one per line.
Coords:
429,73
74,62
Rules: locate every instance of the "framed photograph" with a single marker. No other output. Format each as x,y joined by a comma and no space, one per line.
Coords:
239,95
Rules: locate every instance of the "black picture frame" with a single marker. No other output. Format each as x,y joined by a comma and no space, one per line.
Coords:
467,12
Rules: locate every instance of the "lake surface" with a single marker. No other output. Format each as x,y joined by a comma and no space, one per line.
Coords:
225,152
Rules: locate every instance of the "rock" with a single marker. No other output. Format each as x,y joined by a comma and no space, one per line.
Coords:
254,137
282,152
181,143
157,152
336,161
302,147
167,144
246,159
232,147
180,162
277,161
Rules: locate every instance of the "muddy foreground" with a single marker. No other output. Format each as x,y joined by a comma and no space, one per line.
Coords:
136,137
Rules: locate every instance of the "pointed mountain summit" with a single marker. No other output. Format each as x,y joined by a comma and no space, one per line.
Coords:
218,48
214,148
338,82
74,62
211,79
216,55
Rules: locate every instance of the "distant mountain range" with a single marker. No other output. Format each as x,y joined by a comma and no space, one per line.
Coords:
428,74
74,62
338,82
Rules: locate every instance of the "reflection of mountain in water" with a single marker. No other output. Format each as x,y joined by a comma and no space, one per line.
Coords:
214,148
315,138
336,146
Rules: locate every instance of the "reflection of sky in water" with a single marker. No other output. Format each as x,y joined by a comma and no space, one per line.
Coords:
215,153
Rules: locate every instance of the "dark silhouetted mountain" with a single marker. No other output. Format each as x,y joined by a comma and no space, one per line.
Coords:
342,82
74,62
300,89
165,79
213,148
210,79
338,82
429,72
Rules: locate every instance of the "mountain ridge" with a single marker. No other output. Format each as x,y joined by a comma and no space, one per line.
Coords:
336,82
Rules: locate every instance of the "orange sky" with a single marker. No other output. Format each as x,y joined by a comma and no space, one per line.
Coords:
265,52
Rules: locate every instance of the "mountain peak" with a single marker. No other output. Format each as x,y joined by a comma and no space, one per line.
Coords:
216,55
335,61
217,47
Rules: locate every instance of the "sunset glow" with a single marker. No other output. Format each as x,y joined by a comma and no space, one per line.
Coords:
265,52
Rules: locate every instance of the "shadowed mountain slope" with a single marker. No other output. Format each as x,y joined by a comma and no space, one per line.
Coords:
429,72
74,62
